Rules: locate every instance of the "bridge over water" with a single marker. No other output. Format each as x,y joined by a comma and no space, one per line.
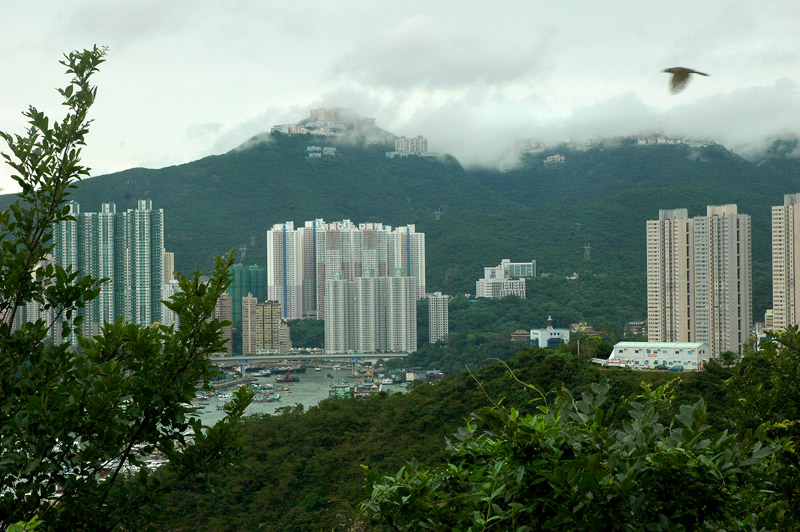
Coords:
355,358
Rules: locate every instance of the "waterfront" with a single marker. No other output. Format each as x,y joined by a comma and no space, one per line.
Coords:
310,390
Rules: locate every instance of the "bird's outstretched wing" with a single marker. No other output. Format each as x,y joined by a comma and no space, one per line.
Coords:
680,78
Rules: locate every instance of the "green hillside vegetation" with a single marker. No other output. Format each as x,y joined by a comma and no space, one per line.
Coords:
304,469
598,199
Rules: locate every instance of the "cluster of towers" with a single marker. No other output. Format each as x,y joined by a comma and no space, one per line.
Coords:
363,280
699,275
125,247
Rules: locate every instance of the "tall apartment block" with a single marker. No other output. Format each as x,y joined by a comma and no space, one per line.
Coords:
371,314
223,311
699,281
301,260
438,321
785,263
261,326
125,247
246,280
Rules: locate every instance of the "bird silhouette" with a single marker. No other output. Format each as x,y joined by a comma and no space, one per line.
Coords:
680,78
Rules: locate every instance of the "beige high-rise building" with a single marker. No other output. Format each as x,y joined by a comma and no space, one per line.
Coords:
169,266
261,326
699,281
223,311
371,314
785,262
438,321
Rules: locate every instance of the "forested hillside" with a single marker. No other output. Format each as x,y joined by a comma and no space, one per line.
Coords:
585,216
305,471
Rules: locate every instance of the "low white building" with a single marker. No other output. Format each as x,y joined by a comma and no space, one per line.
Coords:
549,337
689,355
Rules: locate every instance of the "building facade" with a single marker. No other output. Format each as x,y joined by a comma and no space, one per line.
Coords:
686,355
223,311
371,314
261,326
699,281
549,336
785,263
127,248
246,280
438,319
505,279
300,261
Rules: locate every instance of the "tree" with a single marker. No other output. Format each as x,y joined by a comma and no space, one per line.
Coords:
765,387
76,425
569,467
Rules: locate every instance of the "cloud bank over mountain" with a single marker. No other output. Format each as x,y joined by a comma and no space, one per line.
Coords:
193,78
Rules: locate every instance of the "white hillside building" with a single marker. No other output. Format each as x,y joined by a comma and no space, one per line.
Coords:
690,355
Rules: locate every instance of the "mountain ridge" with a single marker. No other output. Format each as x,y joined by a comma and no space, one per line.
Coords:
595,203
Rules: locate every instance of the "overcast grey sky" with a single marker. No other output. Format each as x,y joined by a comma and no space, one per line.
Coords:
185,79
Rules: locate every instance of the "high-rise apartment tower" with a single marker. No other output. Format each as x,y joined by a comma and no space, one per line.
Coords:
699,281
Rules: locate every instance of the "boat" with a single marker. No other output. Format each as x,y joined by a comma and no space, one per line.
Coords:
337,367
283,389
287,378
271,398
330,375
317,369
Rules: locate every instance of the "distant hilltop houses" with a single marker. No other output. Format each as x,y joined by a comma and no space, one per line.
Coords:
414,147
333,122
535,146
554,160
320,151
336,122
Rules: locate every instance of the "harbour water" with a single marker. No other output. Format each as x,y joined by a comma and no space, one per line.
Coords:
310,390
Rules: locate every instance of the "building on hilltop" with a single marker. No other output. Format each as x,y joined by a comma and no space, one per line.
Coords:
554,160
289,129
438,319
405,147
699,281
320,151
419,144
507,278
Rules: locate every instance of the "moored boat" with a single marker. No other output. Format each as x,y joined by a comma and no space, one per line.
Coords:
287,378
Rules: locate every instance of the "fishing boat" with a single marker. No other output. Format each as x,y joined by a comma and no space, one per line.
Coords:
287,378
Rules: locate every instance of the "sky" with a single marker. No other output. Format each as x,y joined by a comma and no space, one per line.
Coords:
187,79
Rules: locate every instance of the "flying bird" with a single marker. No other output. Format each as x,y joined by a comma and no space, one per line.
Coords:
680,78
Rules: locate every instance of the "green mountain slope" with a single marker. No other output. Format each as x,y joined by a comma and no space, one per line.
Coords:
594,204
